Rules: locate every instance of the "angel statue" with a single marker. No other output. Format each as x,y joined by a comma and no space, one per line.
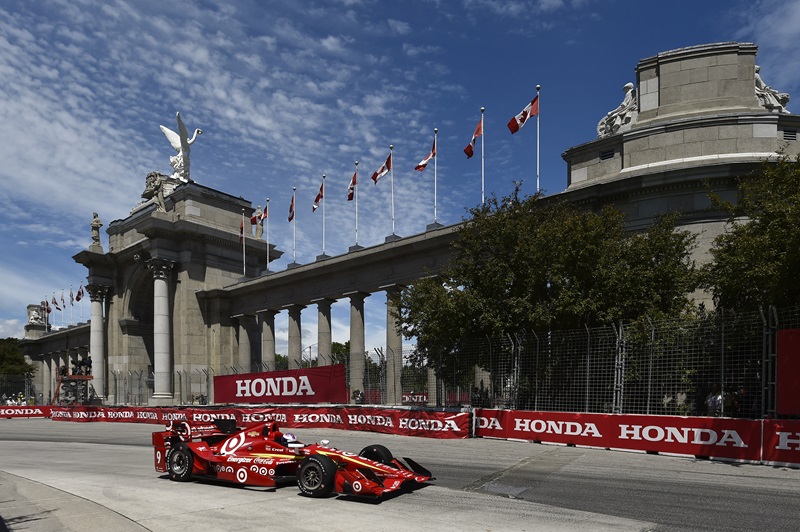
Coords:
180,142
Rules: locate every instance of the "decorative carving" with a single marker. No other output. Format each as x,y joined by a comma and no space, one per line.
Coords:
97,291
34,317
769,98
160,268
623,117
180,142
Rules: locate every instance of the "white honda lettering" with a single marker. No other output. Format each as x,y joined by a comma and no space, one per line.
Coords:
785,441
243,388
489,423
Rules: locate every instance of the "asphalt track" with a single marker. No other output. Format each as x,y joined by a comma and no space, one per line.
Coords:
61,476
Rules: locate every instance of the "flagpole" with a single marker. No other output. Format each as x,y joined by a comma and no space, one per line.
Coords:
294,227
71,304
391,148
323,214
267,212
483,153
435,134
355,191
537,136
244,246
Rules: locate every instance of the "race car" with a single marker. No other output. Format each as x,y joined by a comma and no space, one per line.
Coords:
261,455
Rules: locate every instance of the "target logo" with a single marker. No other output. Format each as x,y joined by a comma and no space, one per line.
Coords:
357,486
231,445
241,475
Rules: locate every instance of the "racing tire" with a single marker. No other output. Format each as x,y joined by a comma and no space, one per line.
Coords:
180,462
316,476
377,453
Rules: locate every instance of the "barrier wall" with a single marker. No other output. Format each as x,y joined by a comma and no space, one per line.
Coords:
767,441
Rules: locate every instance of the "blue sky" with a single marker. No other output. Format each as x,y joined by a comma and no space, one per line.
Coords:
288,91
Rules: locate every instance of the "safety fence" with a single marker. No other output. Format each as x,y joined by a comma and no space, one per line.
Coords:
722,364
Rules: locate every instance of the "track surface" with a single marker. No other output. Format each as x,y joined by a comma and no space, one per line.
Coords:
57,476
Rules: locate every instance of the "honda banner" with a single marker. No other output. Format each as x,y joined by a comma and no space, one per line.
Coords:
324,384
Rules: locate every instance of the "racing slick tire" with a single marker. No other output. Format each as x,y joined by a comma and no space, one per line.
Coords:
316,476
180,462
377,453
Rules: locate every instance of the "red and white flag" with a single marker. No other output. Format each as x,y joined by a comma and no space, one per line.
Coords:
46,306
79,295
532,109
470,149
351,188
241,230
291,209
63,303
383,170
424,162
265,214
320,195
71,298
54,302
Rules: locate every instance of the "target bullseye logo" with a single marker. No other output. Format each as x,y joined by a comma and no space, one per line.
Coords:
232,444
241,475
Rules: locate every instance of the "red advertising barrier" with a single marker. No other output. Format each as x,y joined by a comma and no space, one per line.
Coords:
787,400
737,439
781,442
24,411
441,425
324,384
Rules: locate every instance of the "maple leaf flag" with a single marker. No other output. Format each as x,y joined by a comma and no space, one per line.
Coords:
424,162
54,302
291,209
241,230
351,188
63,303
470,149
532,109
79,295
383,170
320,195
46,306
71,298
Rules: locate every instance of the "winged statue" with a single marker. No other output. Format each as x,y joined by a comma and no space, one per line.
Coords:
181,142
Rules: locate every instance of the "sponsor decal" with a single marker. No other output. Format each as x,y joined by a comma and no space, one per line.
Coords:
435,425
210,416
120,414
241,475
278,386
232,444
367,419
319,418
491,423
570,428
693,435
788,441
357,486
21,412
258,417
150,416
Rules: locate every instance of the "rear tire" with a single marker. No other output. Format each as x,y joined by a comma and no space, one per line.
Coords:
180,462
377,453
316,476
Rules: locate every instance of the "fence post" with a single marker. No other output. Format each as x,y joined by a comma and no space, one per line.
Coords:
650,362
722,364
588,364
619,369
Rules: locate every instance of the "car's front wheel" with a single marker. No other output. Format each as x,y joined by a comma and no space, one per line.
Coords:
179,462
316,475
377,453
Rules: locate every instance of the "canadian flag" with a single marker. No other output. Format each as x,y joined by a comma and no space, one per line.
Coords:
241,230
46,306
470,149
383,170
54,302
79,295
532,109
320,195
351,188
424,162
71,298
291,209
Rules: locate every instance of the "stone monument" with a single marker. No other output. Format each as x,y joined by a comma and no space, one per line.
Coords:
181,143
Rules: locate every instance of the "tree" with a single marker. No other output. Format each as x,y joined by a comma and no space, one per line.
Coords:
532,265
12,359
756,261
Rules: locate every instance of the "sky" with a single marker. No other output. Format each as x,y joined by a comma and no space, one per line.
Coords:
288,91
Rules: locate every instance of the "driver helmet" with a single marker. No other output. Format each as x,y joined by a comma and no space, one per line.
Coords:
289,437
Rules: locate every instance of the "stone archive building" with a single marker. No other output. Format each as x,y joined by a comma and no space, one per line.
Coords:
170,294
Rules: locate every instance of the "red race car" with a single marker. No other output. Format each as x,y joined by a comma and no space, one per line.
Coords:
261,455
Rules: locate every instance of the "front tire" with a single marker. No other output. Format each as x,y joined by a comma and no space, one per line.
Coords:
377,453
316,476
180,462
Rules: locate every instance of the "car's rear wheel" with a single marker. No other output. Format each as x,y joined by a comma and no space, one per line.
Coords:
316,476
179,462
378,453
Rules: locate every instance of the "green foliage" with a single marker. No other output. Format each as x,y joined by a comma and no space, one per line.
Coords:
12,359
756,262
527,265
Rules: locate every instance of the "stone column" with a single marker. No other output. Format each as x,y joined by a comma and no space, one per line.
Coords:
97,339
394,346
357,341
324,339
46,379
267,319
295,348
162,334
245,347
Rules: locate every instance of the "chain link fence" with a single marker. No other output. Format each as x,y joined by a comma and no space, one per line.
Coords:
720,364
